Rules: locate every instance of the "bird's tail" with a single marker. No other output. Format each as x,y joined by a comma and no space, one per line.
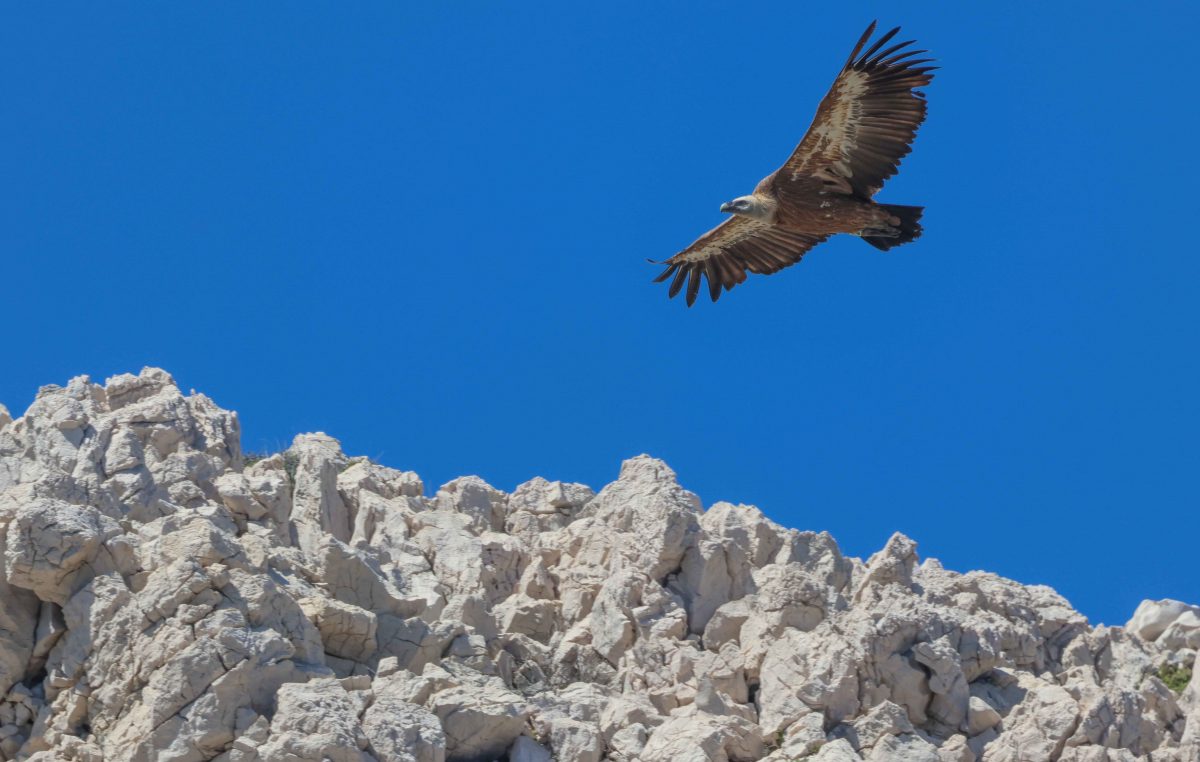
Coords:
908,229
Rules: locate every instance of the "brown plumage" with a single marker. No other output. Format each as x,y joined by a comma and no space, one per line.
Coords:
863,128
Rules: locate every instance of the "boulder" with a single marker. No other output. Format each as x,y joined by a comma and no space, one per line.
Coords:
1152,618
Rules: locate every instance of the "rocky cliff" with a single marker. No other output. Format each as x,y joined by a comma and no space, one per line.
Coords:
162,597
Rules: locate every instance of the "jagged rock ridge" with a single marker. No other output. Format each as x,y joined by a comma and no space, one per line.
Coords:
162,599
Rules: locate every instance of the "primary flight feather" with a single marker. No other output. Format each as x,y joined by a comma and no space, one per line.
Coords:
864,126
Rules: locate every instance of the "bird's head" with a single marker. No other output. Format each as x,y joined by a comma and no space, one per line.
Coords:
746,206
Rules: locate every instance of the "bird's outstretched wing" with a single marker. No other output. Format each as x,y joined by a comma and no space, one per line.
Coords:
865,123
726,253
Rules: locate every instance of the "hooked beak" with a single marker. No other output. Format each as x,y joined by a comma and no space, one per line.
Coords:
727,207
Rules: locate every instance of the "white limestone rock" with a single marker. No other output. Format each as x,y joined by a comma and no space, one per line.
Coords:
725,624
946,681
480,721
699,736
804,672
905,747
318,511
1038,726
576,740
19,612
981,716
881,721
1152,618
53,547
364,476
539,506
721,568
804,737
399,731
1182,633
644,519
837,751
789,597
480,502
162,598
347,631
316,720
536,618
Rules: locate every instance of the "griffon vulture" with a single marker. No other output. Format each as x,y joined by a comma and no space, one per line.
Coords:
863,128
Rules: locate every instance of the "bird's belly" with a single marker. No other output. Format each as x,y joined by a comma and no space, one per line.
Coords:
827,214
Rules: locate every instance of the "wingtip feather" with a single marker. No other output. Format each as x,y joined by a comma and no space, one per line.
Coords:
861,41
666,273
710,275
878,44
677,284
693,285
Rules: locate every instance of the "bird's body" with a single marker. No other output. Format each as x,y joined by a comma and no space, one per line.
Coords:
812,209
863,127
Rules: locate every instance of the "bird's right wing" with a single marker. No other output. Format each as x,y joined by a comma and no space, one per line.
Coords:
866,123
726,253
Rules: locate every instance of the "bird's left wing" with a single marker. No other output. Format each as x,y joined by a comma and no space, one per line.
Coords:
866,122
726,253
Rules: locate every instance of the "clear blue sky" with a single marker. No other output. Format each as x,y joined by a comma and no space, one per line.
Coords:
422,228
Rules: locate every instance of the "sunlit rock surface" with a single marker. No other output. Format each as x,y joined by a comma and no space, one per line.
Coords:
161,598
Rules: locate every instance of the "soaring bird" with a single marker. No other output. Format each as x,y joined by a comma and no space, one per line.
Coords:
863,128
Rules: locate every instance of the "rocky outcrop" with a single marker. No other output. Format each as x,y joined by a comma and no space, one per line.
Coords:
1172,624
164,597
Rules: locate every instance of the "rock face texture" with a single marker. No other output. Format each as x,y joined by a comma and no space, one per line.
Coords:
163,598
